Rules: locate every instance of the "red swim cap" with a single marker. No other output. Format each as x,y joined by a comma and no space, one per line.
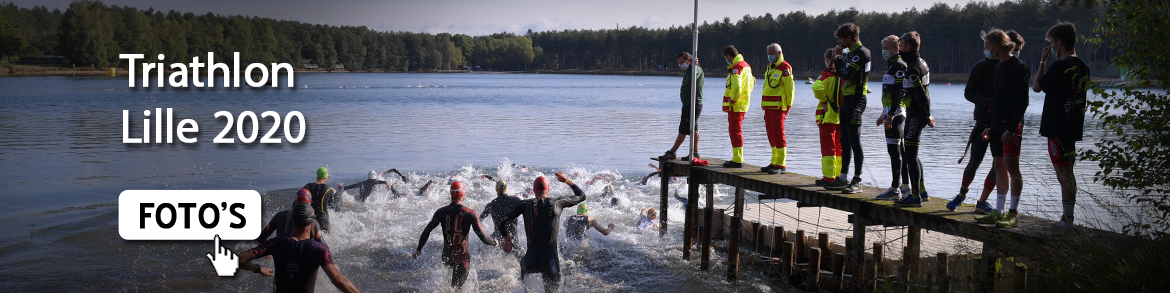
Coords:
304,196
457,190
541,184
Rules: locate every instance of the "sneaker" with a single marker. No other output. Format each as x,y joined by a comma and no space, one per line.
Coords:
925,198
854,187
821,182
1064,226
732,164
991,217
782,170
837,185
905,190
912,202
983,207
1008,221
668,156
768,169
890,194
688,158
955,203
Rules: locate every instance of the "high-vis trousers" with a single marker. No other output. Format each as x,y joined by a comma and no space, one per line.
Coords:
735,130
830,151
774,123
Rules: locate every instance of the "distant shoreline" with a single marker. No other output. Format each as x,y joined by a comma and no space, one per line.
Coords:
19,70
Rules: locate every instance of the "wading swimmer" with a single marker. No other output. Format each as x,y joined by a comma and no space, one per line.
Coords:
1063,120
502,204
1009,101
778,92
688,65
324,197
456,221
297,258
366,187
827,91
852,65
542,217
736,100
648,219
282,222
577,225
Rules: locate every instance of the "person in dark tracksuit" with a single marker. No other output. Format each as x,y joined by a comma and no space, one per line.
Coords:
1008,105
895,115
456,221
1065,87
542,217
978,91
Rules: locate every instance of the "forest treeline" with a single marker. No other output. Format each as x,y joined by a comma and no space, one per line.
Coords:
90,33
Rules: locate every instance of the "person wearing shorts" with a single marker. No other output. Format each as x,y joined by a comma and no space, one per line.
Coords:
1063,120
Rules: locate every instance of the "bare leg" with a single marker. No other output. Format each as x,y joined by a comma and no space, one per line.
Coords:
1068,183
1013,168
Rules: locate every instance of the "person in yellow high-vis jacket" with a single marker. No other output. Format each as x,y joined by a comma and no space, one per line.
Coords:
827,91
777,99
736,99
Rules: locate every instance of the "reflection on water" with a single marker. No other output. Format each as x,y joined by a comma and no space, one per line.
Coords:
60,143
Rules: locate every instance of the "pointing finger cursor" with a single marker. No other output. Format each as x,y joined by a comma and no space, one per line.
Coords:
223,260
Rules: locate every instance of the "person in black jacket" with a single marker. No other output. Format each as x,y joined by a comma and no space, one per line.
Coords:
893,115
1063,120
1009,101
853,66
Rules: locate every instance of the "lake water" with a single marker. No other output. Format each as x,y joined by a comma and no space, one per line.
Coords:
64,166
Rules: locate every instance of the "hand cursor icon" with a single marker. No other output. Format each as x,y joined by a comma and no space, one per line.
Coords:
223,260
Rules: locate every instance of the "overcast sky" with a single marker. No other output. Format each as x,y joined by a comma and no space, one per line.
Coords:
477,17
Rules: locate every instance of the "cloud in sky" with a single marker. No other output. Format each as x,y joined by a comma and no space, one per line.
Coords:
478,17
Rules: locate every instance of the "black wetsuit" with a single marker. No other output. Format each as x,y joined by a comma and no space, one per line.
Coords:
917,86
496,209
282,224
892,87
542,223
1009,101
576,226
323,200
296,262
979,89
853,69
456,220
365,188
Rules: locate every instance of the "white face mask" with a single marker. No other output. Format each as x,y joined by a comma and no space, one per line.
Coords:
684,66
886,54
1015,53
987,54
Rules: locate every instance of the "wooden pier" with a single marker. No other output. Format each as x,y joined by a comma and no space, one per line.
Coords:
814,252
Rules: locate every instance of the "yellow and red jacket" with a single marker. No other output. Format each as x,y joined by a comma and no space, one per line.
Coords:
828,92
738,92
778,86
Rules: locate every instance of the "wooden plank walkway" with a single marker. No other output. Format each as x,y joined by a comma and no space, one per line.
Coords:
855,213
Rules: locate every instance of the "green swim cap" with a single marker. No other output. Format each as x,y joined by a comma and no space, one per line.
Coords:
322,173
582,209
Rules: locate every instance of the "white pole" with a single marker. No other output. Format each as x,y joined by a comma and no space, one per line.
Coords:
694,80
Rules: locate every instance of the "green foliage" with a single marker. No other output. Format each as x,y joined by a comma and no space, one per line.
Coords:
1136,161
10,40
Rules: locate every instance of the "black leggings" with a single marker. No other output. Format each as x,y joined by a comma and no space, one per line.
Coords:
914,124
545,262
850,135
978,151
458,275
894,147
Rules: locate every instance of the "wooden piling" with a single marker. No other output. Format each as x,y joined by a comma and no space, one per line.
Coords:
757,228
838,265
689,221
664,194
708,222
778,237
733,247
789,258
943,272
814,264
987,268
1020,280
801,247
878,268
823,244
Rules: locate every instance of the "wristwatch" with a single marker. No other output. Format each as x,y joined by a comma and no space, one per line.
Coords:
258,268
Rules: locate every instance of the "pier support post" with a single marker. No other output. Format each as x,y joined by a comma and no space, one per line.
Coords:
778,238
709,213
944,274
733,247
823,244
664,193
689,221
879,259
801,247
1020,282
858,252
987,268
910,255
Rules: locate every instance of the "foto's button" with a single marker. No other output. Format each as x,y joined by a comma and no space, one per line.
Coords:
189,214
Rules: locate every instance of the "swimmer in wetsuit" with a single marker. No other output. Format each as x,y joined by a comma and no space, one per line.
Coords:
365,188
282,222
456,220
576,226
297,258
324,197
542,216
498,207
